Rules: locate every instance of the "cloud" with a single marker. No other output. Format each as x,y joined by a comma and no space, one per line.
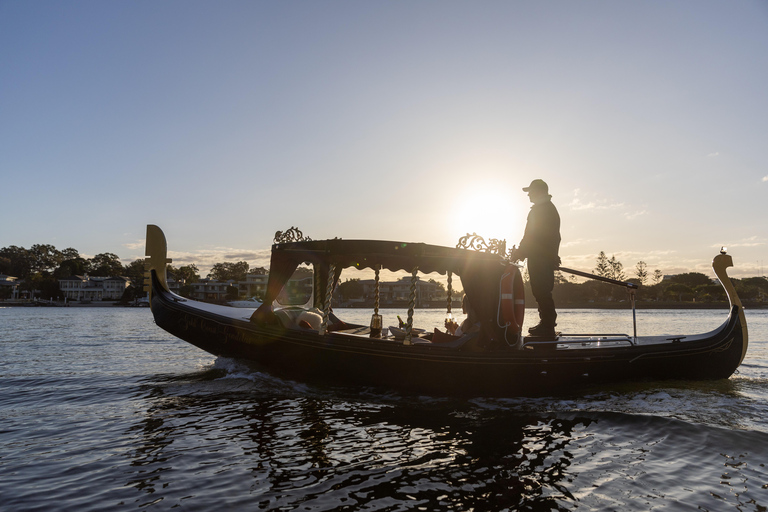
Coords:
579,241
247,255
204,259
599,204
138,244
712,155
592,204
634,215
753,241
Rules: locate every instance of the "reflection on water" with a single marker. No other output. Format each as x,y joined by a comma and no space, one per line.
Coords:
325,453
327,450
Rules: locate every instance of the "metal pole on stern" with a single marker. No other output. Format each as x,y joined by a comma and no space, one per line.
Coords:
630,286
634,315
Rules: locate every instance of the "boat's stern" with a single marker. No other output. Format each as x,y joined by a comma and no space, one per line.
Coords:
719,264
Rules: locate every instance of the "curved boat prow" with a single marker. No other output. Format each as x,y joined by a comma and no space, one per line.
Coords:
719,264
157,252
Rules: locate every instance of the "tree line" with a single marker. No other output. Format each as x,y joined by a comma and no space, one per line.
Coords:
42,265
686,287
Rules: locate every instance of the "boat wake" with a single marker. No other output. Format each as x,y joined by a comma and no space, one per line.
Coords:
728,404
719,405
239,370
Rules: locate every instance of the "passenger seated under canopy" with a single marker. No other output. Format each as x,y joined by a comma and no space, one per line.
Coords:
470,324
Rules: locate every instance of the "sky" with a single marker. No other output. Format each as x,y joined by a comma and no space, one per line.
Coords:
224,122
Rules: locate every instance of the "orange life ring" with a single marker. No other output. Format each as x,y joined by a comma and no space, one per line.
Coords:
512,298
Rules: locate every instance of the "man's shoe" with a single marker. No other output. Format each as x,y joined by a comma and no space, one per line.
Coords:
540,326
542,331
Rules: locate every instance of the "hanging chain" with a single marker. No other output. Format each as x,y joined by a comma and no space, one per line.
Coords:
411,306
376,319
376,292
450,292
328,296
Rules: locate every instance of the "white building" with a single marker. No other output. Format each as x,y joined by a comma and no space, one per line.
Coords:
93,288
11,283
114,287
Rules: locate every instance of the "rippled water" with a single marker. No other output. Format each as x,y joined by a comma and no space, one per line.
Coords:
101,410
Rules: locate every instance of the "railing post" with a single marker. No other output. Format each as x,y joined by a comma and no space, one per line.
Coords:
634,315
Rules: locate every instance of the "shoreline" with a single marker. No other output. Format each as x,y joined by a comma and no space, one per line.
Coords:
438,305
577,305
48,304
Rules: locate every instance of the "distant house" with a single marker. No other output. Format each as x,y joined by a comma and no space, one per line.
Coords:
10,283
114,287
210,290
297,288
254,285
400,290
174,284
93,288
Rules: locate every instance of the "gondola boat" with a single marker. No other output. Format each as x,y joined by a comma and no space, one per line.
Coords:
310,344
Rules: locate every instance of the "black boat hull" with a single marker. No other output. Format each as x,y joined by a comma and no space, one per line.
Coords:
536,368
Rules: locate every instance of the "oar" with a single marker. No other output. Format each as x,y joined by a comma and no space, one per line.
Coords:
599,278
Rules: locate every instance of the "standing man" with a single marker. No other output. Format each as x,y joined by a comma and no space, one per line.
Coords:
540,245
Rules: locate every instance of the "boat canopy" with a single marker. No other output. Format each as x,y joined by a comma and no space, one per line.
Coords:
479,271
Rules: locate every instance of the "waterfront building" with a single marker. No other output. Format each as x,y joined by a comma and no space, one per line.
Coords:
210,290
114,287
9,283
85,287
298,286
175,284
255,285
299,289
400,290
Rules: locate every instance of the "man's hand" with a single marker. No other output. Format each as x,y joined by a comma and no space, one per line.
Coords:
514,255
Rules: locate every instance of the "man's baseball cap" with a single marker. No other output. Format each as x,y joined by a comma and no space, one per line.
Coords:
537,185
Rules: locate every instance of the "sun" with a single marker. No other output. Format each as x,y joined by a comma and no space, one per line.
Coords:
491,213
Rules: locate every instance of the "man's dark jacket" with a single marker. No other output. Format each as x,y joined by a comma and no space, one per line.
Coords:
541,240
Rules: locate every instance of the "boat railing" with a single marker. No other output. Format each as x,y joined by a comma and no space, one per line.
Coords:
630,286
583,341
591,335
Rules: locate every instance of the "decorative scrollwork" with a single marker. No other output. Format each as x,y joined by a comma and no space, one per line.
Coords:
476,243
473,241
291,235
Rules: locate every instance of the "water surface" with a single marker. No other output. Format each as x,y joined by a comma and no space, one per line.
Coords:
100,409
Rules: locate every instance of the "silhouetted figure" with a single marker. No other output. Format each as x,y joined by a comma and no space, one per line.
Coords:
468,325
540,245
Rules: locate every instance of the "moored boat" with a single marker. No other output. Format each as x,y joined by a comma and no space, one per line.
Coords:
491,357
251,302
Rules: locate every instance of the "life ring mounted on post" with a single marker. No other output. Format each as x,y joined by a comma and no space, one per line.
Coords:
511,300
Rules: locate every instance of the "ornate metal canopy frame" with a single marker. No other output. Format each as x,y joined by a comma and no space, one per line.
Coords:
477,243
293,234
